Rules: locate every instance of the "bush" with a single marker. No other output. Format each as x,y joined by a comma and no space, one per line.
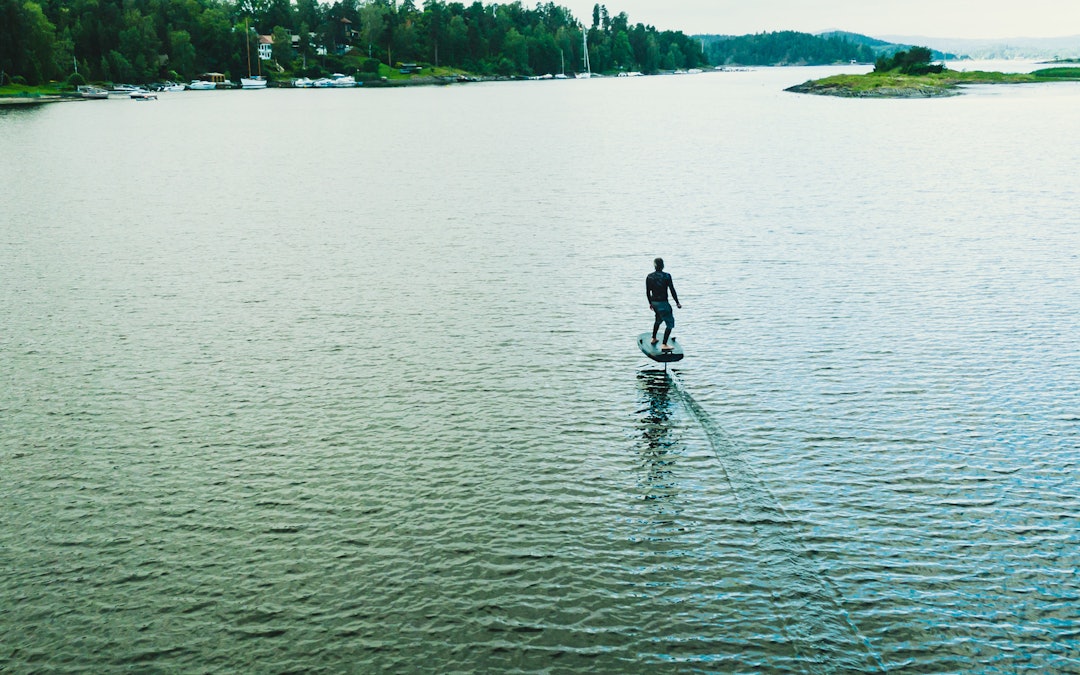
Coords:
913,62
18,79
1069,73
76,80
506,67
333,64
369,66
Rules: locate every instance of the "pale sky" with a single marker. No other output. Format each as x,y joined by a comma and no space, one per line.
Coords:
927,18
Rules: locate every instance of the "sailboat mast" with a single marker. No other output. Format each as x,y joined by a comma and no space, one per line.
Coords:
585,51
247,44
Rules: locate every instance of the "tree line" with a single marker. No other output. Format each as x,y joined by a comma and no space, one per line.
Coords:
915,61
785,48
142,41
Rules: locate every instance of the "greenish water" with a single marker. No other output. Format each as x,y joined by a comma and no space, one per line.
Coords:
346,381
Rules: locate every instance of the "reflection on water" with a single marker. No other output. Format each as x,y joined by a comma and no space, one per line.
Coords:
660,447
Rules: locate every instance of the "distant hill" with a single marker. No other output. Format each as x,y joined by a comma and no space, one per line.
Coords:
856,38
784,48
1011,48
887,48
791,48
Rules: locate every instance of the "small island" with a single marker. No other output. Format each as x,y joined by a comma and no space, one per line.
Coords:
910,74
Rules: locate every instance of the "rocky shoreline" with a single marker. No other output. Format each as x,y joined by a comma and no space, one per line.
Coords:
912,91
930,85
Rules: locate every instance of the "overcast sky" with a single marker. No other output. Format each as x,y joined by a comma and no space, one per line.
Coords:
928,18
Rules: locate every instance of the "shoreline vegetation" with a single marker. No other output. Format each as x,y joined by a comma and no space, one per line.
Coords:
54,92
146,41
927,85
869,85
911,74
49,52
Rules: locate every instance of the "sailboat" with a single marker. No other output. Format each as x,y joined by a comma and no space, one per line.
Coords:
257,81
585,59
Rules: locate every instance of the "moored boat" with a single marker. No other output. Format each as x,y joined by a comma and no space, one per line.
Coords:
585,63
337,80
89,91
202,85
123,90
256,81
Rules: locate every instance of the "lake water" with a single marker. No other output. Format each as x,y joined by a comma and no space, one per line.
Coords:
346,381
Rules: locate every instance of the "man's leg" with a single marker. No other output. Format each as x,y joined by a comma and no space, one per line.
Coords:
669,323
655,326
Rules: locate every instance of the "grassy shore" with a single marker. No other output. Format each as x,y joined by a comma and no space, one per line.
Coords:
27,91
21,94
948,83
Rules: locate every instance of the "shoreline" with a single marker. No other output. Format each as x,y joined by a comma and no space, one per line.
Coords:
15,101
936,85
815,88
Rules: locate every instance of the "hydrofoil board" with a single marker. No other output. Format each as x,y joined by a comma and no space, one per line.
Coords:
654,352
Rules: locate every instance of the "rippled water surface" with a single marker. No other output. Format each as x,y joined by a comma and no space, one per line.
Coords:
346,381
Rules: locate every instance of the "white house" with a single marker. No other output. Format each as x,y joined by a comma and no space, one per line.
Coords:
266,47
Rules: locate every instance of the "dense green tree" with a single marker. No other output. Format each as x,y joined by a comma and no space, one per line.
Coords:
457,38
784,48
282,48
213,40
516,51
651,62
140,48
144,40
308,14
27,47
373,25
278,13
622,55
181,54
915,61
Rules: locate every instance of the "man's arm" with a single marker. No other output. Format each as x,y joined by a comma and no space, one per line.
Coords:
648,292
674,295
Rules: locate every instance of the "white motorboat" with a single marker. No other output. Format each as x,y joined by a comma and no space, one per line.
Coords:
202,85
88,91
303,83
123,90
254,82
